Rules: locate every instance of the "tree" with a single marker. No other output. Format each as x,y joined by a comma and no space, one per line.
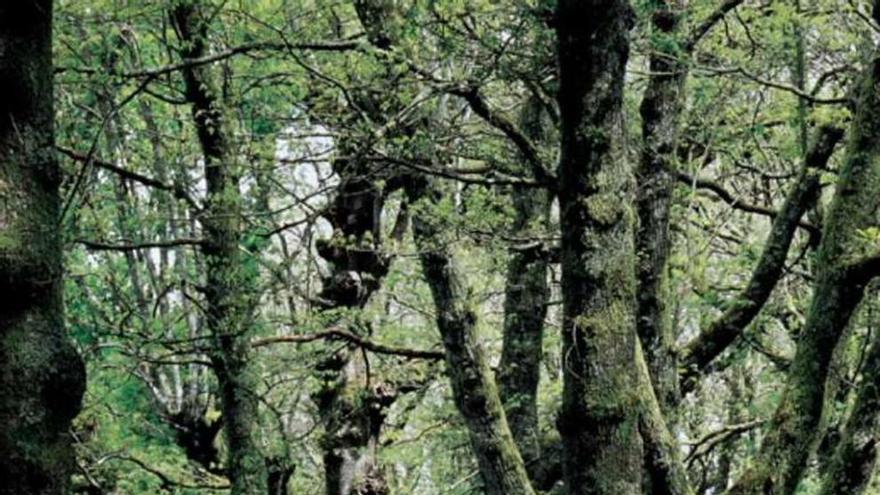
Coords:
845,266
599,418
476,395
602,220
230,298
42,376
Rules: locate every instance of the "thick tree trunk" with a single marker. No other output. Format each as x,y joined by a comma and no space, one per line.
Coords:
839,288
473,386
230,290
603,450
525,307
353,414
41,376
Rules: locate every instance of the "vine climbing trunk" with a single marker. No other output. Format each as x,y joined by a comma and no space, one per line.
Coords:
41,376
229,286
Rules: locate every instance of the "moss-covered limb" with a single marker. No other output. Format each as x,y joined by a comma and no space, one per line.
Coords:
598,423
660,111
783,454
230,294
666,474
525,308
473,386
855,455
785,449
700,352
41,376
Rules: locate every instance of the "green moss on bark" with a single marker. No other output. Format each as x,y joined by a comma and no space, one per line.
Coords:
41,376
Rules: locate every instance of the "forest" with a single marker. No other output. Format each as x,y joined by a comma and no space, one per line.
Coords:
440,247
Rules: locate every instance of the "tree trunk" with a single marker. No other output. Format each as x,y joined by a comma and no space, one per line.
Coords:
354,413
840,284
603,450
525,307
660,111
473,386
664,470
353,421
41,376
230,288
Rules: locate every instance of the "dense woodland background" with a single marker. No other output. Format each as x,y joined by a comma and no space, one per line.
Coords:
439,247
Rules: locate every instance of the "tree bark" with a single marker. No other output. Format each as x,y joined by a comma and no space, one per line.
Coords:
665,472
525,308
838,289
230,287
660,111
473,386
354,413
603,450
42,378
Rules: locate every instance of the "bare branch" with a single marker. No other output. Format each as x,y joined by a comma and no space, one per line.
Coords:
703,28
735,202
325,46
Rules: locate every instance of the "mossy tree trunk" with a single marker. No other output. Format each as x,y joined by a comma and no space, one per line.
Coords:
665,473
525,308
473,386
185,412
229,285
41,376
840,283
603,451
353,413
660,111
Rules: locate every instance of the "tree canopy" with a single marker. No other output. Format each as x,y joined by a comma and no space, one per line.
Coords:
371,247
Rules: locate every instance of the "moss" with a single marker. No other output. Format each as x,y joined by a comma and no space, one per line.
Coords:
8,243
605,208
608,330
